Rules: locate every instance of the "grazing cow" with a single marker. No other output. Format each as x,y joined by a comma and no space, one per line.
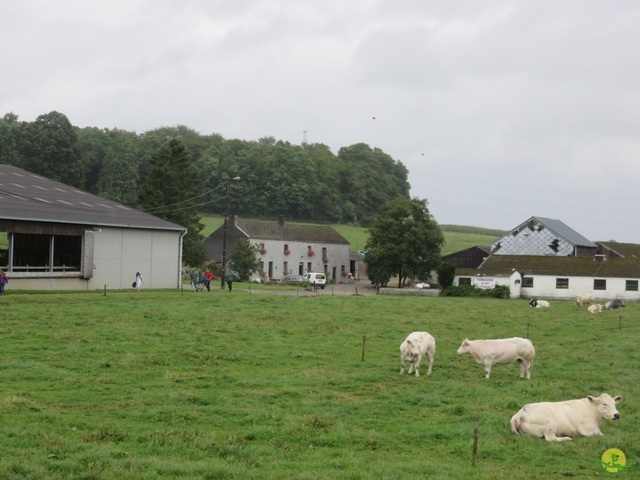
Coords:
415,346
595,308
539,303
583,299
613,304
559,421
504,350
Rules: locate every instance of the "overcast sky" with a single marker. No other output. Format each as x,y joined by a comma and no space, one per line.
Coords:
500,110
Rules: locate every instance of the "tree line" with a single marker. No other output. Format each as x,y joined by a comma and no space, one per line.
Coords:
303,182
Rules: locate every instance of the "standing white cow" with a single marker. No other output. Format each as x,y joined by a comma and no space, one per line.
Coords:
415,346
583,299
504,350
559,421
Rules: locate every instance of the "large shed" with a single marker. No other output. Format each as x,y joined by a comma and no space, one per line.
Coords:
57,237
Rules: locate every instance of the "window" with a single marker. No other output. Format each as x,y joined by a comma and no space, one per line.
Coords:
631,286
599,284
562,283
464,281
46,253
527,282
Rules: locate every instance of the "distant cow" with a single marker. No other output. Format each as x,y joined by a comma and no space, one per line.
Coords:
613,304
504,350
583,299
539,303
559,421
595,308
415,346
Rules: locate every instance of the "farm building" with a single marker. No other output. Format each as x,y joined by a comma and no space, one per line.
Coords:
287,248
554,261
56,237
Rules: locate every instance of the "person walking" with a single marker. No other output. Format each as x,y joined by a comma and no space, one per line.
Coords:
139,281
194,277
208,276
4,280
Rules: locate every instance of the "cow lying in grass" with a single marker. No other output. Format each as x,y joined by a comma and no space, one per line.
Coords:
613,304
595,308
538,303
504,350
415,346
559,421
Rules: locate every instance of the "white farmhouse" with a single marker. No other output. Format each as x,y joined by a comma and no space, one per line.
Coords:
287,248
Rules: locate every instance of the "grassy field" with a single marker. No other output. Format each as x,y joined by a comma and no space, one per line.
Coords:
456,238
244,385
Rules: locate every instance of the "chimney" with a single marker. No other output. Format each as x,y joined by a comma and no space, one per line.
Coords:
281,220
232,221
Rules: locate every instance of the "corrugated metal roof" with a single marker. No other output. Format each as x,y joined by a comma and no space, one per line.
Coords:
563,266
563,230
25,196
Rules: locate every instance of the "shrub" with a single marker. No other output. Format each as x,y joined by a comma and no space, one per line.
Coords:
500,291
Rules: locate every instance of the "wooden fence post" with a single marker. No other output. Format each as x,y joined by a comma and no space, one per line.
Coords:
364,339
475,442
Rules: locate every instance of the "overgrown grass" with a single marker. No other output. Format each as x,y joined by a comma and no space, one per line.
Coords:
264,386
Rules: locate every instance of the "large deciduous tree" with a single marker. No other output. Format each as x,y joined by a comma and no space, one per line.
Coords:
404,240
170,192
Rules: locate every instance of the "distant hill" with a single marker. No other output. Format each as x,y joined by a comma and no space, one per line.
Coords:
457,237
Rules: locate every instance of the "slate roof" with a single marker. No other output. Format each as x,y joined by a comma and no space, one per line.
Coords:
563,230
562,266
257,230
627,250
25,196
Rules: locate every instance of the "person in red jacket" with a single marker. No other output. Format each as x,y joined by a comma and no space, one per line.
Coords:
208,276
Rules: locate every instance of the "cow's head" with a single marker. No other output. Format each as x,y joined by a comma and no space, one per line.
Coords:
464,348
412,350
606,405
533,302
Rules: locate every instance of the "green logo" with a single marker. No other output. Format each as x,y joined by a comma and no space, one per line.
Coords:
614,461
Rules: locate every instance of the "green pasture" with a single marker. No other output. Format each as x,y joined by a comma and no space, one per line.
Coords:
256,385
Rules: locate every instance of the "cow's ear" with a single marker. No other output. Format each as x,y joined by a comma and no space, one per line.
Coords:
465,341
409,342
591,399
617,399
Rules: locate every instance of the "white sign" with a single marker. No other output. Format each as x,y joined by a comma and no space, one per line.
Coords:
485,282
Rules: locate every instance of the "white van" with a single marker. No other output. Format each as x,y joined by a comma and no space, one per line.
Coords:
316,278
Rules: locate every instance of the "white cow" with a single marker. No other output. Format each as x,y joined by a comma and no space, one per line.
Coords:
504,350
583,299
595,308
535,303
415,346
559,421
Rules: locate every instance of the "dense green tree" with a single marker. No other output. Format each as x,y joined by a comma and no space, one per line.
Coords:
49,147
406,239
244,259
170,192
446,274
9,134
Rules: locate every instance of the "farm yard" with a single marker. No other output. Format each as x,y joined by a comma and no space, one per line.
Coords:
165,384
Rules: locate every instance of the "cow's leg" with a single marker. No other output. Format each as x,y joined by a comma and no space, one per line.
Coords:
411,367
522,366
430,358
487,367
529,367
551,437
418,365
402,367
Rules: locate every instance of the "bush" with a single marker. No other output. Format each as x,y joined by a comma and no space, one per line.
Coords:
500,291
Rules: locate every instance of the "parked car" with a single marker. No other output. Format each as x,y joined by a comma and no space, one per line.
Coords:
293,280
316,278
